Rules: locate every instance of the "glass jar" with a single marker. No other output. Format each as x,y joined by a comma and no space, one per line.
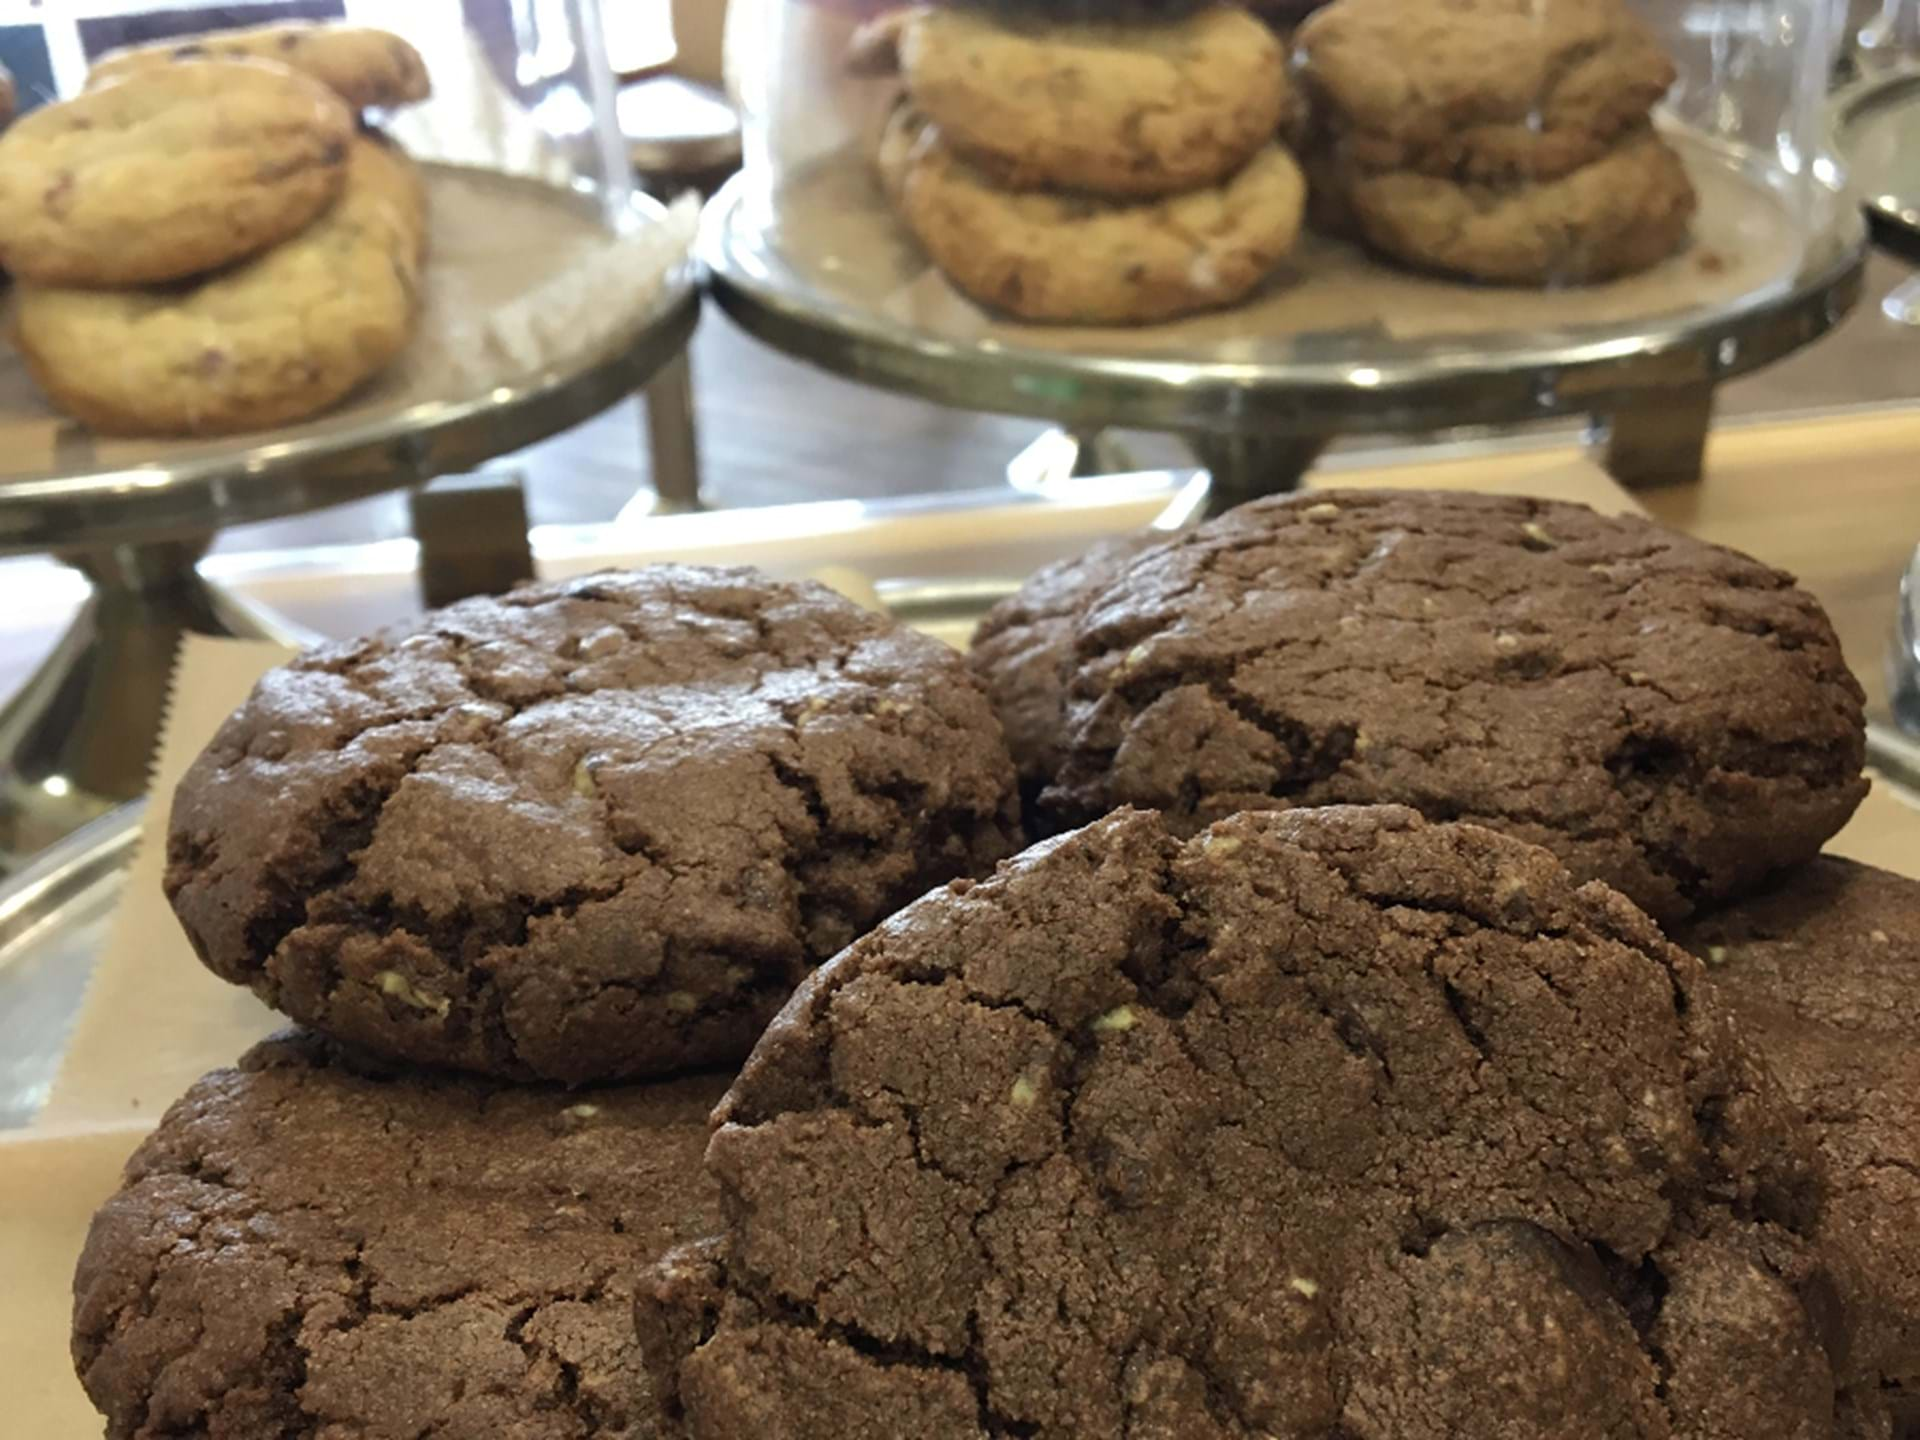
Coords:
522,86
1625,159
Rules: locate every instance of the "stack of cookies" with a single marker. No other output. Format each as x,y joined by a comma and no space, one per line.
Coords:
1499,140
1326,1081
536,872
1103,173
207,240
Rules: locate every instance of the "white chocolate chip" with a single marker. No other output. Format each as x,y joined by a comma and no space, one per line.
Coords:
1220,845
1362,742
680,1002
1114,1020
1638,677
1024,1092
1716,955
583,779
1880,937
583,1112
1506,642
397,986
1538,535
1327,510
1300,1284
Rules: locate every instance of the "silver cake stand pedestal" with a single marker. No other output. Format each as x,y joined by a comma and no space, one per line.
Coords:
1340,344
135,517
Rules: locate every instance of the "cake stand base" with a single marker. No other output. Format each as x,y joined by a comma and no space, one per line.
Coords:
77,740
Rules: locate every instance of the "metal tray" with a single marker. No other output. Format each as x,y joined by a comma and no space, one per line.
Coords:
1876,135
389,437
822,269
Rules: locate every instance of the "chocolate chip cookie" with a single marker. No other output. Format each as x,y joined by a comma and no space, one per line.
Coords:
1490,90
588,830
1327,1124
369,69
1823,972
168,174
1624,212
1665,715
1124,110
311,1245
277,339
1075,259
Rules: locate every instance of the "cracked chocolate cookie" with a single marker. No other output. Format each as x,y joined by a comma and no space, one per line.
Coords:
169,174
1020,651
1139,109
309,1245
1823,973
271,341
1665,715
369,69
1334,1123
588,830
1499,90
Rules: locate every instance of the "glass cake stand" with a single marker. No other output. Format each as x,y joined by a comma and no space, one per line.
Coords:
518,340
817,266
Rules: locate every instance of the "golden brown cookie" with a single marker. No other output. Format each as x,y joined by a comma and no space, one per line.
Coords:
272,341
169,173
1625,212
1123,110
1078,259
368,68
1481,89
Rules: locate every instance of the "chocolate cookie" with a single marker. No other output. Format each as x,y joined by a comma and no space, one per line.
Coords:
1823,973
1665,715
1022,649
169,174
1496,90
1326,1124
589,830
309,1245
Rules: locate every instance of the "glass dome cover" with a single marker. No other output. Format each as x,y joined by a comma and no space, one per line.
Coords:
1491,196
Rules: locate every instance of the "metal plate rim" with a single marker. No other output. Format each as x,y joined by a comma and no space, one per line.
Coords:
1845,110
65,870
1471,387
263,478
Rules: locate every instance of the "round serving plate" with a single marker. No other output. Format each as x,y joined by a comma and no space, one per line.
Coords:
820,268
1876,135
467,391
